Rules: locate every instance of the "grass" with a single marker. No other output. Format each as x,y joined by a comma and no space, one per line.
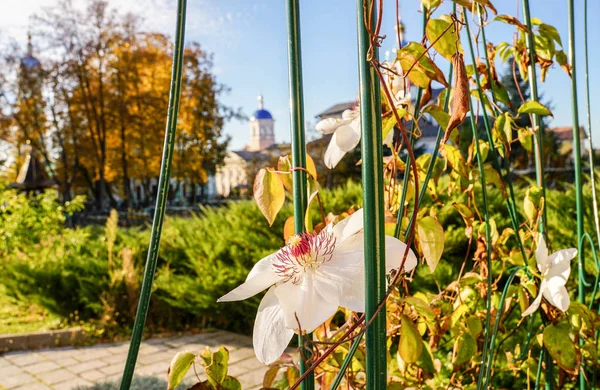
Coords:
23,317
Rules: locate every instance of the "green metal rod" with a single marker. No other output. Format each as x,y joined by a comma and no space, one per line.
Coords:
488,245
346,362
161,200
577,163
576,145
372,180
589,122
537,123
497,326
299,187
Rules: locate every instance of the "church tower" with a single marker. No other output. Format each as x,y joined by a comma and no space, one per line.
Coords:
262,131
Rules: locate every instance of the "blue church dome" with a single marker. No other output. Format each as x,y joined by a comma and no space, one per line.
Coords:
262,114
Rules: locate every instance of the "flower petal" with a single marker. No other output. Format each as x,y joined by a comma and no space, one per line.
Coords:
536,303
304,301
328,125
560,264
351,114
333,154
270,336
348,226
341,280
260,277
347,136
541,254
556,294
394,253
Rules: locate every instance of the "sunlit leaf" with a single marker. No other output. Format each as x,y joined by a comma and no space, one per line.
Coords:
288,228
455,159
465,348
440,116
430,4
269,193
443,32
533,107
431,240
561,346
284,164
310,166
422,69
411,344
215,364
512,20
179,366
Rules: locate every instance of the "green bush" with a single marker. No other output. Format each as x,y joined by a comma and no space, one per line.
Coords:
202,257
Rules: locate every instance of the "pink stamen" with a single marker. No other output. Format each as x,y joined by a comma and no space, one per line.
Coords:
304,252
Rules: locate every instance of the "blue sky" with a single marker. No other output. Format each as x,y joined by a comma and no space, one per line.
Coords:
248,40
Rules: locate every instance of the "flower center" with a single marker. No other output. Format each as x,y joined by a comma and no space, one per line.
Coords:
303,252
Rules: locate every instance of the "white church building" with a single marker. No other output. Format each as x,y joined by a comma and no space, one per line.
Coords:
239,166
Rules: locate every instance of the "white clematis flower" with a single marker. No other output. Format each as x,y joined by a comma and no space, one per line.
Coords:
308,280
346,135
555,270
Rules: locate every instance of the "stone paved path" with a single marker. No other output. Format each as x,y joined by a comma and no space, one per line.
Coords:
68,367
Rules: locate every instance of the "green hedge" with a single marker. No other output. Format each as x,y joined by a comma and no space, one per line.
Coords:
202,257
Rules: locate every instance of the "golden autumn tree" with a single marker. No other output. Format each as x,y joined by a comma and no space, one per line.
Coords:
103,96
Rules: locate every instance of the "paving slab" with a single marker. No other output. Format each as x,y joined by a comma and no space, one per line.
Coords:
66,368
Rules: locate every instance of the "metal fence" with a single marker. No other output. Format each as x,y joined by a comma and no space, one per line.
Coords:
372,180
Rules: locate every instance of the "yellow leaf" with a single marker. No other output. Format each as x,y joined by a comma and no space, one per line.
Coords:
269,193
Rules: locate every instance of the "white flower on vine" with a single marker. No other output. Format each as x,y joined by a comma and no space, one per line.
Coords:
308,280
346,135
555,270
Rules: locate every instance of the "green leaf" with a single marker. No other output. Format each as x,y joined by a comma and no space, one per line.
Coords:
230,383
560,345
179,366
448,43
474,325
533,107
411,344
421,307
492,177
550,32
431,240
215,365
430,4
465,348
269,193
426,360
526,139
440,116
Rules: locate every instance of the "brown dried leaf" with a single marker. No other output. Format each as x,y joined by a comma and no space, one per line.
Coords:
426,96
460,95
